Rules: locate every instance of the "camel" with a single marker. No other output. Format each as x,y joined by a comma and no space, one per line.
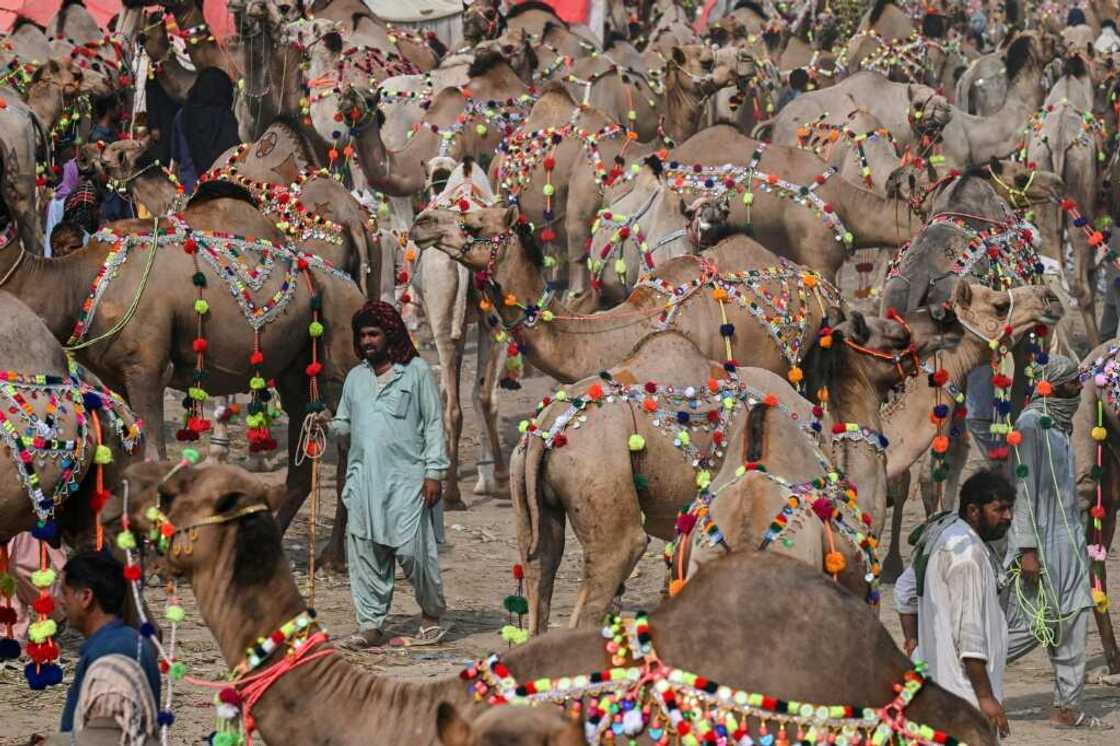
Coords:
30,350
968,140
887,20
829,219
638,482
922,56
1097,472
450,303
201,46
245,588
1066,139
863,150
982,88
74,22
133,357
906,418
24,124
363,29
908,111
174,71
482,21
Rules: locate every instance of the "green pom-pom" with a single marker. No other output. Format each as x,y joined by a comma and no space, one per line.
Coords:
940,474
641,482
317,302
199,280
516,605
191,456
1022,471
126,540
1096,473
1045,422
175,613
315,329
177,671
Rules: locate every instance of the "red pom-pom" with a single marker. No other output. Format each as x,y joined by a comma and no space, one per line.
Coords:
313,369
549,163
230,696
301,264
7,615
277,637
406,298
98,500
42,652
190,246
518,572
132,572
651,387
43,605
256,357
560,440
199,345
941,376
838,428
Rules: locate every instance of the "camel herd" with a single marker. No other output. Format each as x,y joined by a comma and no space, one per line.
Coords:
665,221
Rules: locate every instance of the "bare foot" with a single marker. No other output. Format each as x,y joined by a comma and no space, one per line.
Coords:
457,505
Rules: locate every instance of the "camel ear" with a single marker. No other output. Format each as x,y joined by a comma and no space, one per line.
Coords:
678,56
686,210
512,214
859,331
452,729
962,296
143,476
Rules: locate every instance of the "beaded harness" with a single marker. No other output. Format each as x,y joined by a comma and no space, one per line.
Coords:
651,697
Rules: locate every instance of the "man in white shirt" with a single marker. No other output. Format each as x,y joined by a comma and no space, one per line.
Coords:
948,599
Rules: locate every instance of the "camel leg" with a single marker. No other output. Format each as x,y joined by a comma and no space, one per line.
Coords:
610,552
899,490
146,401
541,568
491,464
450,353
293,392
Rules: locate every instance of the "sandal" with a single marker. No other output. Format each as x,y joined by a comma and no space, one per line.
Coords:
1084,721
370,638
425,636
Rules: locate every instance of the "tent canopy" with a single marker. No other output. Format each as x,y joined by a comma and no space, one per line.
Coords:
42,11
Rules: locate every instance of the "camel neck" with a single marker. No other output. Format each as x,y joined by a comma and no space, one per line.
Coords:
53,288
874,221
153,190
396,173
854,399
682,108
45,100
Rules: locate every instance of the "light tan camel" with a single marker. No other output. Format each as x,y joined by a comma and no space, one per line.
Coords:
363,29
831,219
28,350
906,418
894,105
133,358
1066,139
923,55
686,434
982,88
245,589
1101,374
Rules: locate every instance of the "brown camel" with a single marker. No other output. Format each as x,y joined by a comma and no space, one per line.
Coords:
245,588
133,357
1098,409
887,20
167,65
908,426
921,56
638,482
894,105
1065,138
201,45
363,29
831,217
28,349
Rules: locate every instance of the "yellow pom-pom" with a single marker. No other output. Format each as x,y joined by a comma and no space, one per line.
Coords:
1100,600
636,442
1099,434
102,455
834,563
43,578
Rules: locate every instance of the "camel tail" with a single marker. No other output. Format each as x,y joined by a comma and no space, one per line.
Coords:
763,129
756,433
525,493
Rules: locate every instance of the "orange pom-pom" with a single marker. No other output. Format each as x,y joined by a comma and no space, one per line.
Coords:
675,587
834,563
1014,438
1044,388
941,444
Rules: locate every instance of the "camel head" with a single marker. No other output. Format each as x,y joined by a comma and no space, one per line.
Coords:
320,43
694,68
115,161
437,171
478,239
509,726
1017,183
707,217
55,78
929,110
220,519
988,313
482,20
877,350
516,46
274,14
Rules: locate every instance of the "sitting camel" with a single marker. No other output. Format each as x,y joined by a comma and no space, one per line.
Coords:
218,332
245,589
1096,427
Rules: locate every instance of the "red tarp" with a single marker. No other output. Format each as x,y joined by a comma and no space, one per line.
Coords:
572,11
42,11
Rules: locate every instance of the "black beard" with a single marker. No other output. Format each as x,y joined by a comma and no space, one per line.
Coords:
376,357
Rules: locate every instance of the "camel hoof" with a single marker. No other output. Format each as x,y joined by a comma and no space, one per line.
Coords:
454,505
485,487
331,561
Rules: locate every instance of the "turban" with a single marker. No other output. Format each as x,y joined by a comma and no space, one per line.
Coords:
388,320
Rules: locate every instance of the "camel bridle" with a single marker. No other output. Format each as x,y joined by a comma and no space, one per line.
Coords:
218,519
897,358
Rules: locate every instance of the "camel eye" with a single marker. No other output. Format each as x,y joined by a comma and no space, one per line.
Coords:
1002,306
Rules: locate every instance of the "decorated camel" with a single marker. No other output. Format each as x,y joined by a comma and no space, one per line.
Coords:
1095,430
231,314
982,88
245,589
830,216
927,407
363,29
924,55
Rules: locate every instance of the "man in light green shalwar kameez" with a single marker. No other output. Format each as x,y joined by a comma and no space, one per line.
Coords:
391,409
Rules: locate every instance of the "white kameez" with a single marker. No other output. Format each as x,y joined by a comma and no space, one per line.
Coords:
959,614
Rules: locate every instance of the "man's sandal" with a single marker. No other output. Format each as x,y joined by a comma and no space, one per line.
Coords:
425,636
367,640
1084,721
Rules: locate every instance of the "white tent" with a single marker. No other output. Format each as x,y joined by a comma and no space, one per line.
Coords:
444,17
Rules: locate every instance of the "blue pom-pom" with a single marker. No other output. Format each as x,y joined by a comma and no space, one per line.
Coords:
147,629
45,530
729,367
165,717
9,649
883,442
873,597
816,426
683,418
1003,407
1043,358
941,411
726,330
1081,221
92,401
39,677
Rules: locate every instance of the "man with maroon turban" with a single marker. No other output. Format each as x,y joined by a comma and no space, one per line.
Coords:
391,410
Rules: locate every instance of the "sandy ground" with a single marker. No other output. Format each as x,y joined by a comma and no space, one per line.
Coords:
477,561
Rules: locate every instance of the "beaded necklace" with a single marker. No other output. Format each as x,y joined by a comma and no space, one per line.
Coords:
1104,372
661,701
909,56
821,136
1092,133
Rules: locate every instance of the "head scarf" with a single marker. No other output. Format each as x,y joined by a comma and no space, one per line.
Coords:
387,319
207,118
69,180
160,116
81,207
1076,17
1059,369
116,690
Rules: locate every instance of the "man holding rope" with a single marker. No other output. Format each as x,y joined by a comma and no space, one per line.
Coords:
391,410
1050,603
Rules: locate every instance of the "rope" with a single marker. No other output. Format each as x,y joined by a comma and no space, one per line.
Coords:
135,300
312,445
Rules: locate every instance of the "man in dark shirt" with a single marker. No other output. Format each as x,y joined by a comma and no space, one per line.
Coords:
93,597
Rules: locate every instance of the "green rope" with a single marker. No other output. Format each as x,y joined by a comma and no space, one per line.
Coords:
135,301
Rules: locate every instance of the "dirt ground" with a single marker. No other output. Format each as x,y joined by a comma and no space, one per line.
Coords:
477,560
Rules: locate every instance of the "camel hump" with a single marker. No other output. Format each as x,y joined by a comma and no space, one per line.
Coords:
669,357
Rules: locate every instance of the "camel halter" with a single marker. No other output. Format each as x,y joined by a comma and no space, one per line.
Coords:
898,358
191,531
1015,194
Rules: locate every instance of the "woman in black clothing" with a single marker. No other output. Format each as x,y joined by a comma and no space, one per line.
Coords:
205,127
